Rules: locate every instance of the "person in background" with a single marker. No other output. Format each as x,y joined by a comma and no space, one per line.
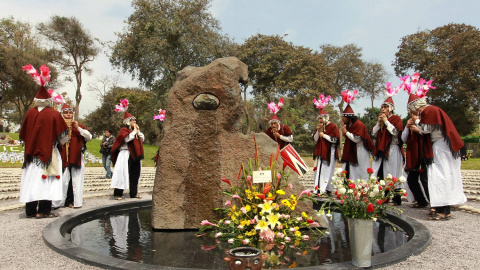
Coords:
127,155
73,161
105,150
327,138
358,145
388,152
441,147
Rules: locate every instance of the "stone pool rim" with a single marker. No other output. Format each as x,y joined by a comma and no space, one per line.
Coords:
56,236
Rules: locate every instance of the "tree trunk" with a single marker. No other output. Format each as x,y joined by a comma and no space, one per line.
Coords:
245,108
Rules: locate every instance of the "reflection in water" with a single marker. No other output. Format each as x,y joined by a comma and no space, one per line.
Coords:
129,236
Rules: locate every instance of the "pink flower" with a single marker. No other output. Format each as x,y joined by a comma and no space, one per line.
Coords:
307,191
235,196
305,237
227,222
279,176
243,210
288,239
245,241
206,222
240,227
230,241
218,234
160,117
290,185
267,235
292,229
229,203
280,235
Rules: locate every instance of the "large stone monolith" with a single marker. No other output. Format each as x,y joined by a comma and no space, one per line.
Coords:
202,143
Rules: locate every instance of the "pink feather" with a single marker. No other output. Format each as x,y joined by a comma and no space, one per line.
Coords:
123,106
348,95
274,108
322,102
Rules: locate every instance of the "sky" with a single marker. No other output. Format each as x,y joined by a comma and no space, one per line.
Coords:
376,26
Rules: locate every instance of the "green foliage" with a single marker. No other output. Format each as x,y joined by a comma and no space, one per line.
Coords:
163,37
450,55
142,106
19,47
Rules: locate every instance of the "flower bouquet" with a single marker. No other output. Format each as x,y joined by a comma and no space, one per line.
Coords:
364,199
262,215
362,202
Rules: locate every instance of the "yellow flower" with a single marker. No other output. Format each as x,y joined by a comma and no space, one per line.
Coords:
248,194
240,236
273,220
251,233
286,203
266,207
247,207
280,192
293,197
304,215
262,224
245,222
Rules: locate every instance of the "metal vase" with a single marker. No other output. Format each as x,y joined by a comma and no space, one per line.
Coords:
360,232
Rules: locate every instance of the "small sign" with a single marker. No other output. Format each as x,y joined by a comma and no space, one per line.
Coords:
262,176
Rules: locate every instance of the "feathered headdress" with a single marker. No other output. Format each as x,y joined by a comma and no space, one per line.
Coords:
41,79
348,96
123,107
274,108
321,103
160,116
57,98
416,87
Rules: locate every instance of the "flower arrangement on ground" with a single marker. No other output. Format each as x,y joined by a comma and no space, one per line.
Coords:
262,215
363,199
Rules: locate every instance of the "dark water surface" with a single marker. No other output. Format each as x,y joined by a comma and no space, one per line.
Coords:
129,236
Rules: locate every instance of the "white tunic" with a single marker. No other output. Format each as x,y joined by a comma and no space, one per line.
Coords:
363,158
326,171
392,165
444,174
120,177
34,188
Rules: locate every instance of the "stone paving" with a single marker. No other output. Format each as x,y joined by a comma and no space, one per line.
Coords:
96,185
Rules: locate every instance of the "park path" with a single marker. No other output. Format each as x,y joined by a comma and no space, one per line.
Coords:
96,185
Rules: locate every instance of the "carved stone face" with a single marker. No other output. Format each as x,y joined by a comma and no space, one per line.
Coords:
245,258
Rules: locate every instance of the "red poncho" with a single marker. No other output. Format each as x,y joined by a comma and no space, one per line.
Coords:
135,146
283,130
39,131
77,146
433,115
350,148
384,138
323,146
414,151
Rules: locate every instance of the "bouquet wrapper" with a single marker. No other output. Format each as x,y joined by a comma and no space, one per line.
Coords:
293,160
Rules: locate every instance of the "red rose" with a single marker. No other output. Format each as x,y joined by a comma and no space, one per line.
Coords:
405,194
338,196
44,176
370,170
380,201
314,168
336,192
309,221
370,208
344,172
351,185
341,202
58,176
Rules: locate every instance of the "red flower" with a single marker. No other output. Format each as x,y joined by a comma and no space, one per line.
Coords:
338,196
314,168
351,185
344,172
309,221
341,202
380,201
370,170
336,192
370,208
226,181
316,187
261,196
394,179
405,194
58,176
44,176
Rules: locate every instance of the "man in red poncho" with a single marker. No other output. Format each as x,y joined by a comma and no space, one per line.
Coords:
327,138
388,152
441,147
357,147
73,161
279,132
127,155
43,129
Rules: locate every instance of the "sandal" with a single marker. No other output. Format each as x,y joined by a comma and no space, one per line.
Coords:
438,217
137,197
393,204
118,198
51,215
432,212
417,205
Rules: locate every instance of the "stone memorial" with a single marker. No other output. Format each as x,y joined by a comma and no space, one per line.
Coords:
202,142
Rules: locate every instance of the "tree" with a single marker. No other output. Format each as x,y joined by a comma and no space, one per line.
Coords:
347,65
19,47
450,55
104,84
374,79
74,46
163,37
142,106
279,69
